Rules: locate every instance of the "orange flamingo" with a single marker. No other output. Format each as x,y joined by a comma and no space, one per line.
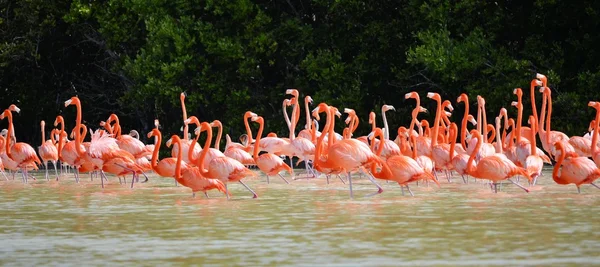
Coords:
268,162
213,153
594,144
399,168
575,170
190,177
22,153
533,162
48,151
547,136
494,168
166,166
186,143
459,161
351,154
389,147
223,168
440,153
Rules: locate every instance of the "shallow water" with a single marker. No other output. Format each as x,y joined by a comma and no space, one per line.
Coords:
307,222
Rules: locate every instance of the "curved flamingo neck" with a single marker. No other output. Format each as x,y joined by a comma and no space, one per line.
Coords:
205,150
43,126
484,118
519,118
453,135
436,122
319,146
533,107
191,149
595,134
219,135
157,143
295,113
548,130
559,162
248,130
413,140
373,122
61,135
184,111
179,156
477,135
8,114
386,132
542,118
385,170
498,138
308,121
532,147
261,125
463,125
288,122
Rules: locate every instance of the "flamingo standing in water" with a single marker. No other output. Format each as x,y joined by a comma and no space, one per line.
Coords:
547,136
190,177
48,151
22,153
268,162
186,143
223,168
212,152
350,154
166,166
594,147
494,168
390,148
440,153
575,170
533,162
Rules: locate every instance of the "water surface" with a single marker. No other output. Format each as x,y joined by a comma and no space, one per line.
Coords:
307,222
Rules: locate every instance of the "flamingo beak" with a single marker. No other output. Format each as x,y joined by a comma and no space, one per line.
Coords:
448,114
17,110
197,130
591,103
337,113
542,89
430,95
347,110
540,76
187,121
473,121
149,134
407,95
310,100
450,107
68,102
156,124
514,103
169,142
254,118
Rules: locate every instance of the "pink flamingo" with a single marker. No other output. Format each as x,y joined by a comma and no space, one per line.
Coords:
440,153
223,168
22,153
549,137
594,147
575,170
459,161
190,177
495,167
389,147
186,143
399,168
351,154
212,153
268,162
533,162
48,151
166,166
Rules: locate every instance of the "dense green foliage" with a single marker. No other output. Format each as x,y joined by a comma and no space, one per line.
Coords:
134,57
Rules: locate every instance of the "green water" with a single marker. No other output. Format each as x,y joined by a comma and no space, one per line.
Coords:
305,223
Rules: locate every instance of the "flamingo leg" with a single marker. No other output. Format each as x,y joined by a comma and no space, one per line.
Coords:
132,179
518,185
102,176
286,181
578,189
226,191
55,170
372,179
410,191
327,177
146,177
267,178
24,177
254,195
4,174
402,189
595,185
206,193
350,182
176,184
46,169
76,173
341,178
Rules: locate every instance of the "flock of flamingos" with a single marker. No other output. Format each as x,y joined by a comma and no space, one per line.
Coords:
419,152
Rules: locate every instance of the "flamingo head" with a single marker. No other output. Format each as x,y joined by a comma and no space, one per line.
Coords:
172,139
503,112
308,99
249,114
73,101
412,94
258,119
594,104
14,108
472,120
514,103
372,117
518,92
156,123
154,132
322,107
542,77
462,98
216,123
480,100
336,112
59,119
385,108
447,105
42,123
434,96
192,119
4,114
112,117
182,96
448,114
293,92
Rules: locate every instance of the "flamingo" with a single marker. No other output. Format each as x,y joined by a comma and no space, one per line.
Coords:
350,154
212,152
440,153
22,153
10,164
459,161
190,177
186,143
495,167
549,137
594,147
575,170
166,166
48,151
486,149
533,162
399,168
389,147
223,168
268,162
